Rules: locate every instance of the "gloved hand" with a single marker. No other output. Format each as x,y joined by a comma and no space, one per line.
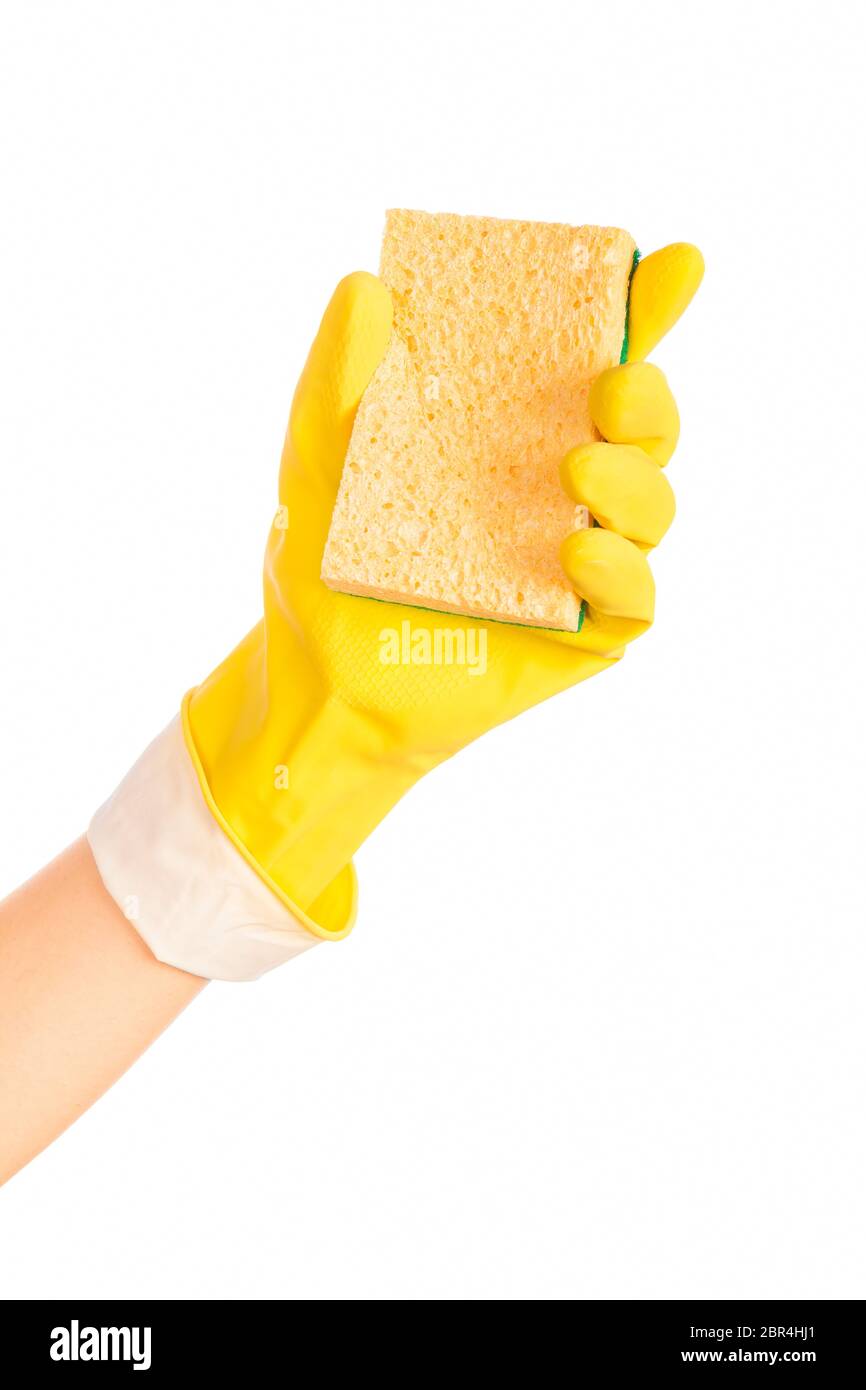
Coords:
306,735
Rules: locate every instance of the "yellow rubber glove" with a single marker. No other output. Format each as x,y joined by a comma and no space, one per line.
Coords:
304,738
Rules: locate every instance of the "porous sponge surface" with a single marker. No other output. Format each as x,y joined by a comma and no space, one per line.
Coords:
450,496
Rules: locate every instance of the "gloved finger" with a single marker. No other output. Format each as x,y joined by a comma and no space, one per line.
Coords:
633,404
348,348
622,488
610,573
662,288
606,636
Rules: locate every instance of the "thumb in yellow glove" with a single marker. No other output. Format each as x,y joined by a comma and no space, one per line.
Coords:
234,833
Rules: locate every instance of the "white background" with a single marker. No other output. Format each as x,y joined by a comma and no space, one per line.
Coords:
599,1031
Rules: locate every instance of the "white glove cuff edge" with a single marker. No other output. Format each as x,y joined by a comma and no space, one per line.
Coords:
180,881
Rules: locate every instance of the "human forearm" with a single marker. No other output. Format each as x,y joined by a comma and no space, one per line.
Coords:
81,997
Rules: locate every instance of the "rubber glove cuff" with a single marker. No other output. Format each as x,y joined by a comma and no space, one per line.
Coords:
169,865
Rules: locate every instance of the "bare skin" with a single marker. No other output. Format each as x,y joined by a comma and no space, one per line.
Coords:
81,997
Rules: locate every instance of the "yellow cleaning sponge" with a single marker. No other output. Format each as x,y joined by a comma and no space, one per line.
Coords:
450,495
